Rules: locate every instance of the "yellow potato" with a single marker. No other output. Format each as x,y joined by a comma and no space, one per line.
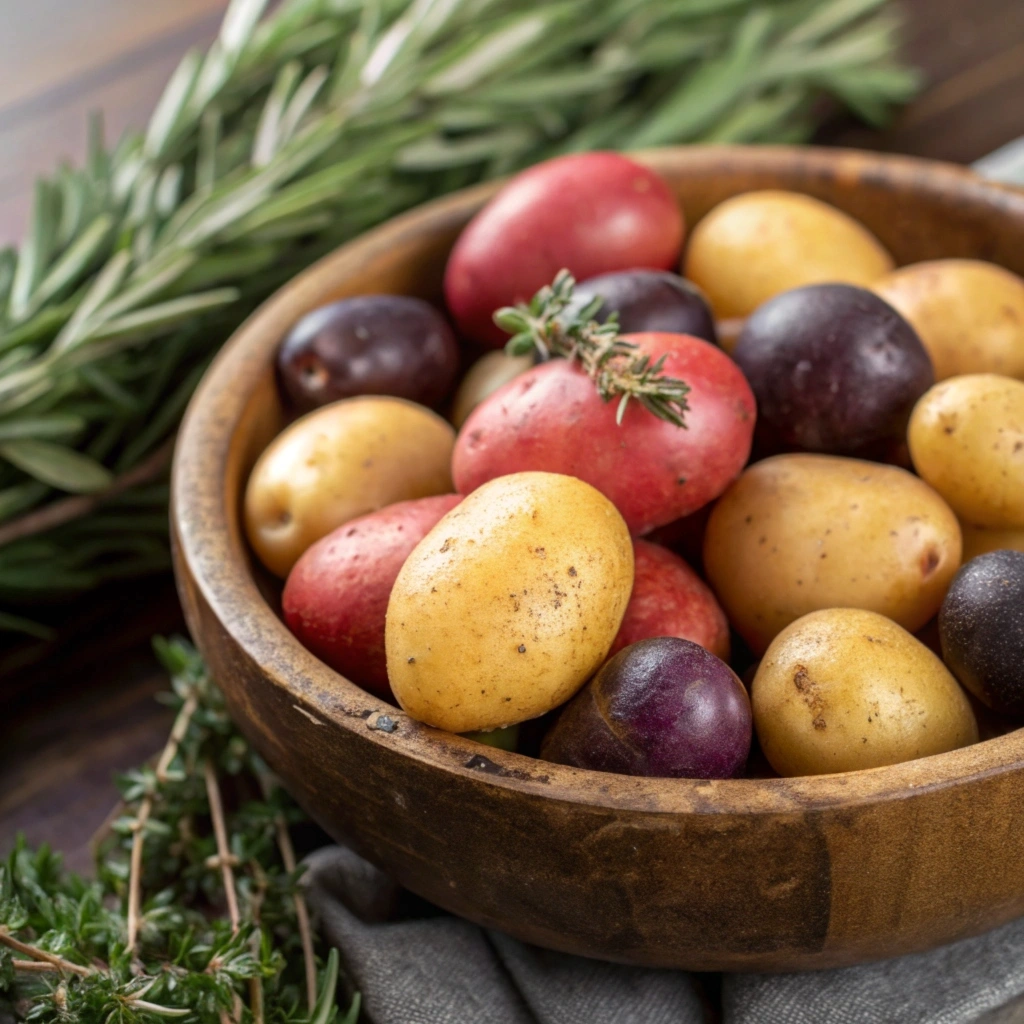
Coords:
506,608
844,689
758,244
484,377
797,533
969,314
339,462
979,541
966,439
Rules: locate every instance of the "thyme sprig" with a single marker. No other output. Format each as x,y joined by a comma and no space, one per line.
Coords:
549,326
305,123
195,915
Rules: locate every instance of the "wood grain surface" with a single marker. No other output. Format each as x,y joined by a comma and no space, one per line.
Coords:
71,722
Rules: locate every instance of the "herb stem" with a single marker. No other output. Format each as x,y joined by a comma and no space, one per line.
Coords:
53,962
224,856
284,844
178,731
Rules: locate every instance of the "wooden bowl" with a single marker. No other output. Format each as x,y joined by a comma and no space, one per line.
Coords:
751,874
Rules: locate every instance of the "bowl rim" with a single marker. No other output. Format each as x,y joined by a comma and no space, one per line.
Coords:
209,543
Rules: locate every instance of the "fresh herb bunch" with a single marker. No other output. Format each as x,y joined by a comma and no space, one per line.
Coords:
296,131
195,915
548,326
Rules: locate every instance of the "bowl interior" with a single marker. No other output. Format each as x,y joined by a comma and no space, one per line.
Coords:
919,210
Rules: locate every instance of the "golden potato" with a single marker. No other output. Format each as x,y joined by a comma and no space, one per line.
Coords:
797,533
969,314
339,462
843,689
979,541
966,438
758,244
506,608
483,378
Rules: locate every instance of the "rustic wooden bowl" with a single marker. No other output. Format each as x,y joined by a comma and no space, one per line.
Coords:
753,874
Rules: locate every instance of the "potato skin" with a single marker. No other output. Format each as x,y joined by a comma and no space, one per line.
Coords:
590,213
843,689
969,314
798,533
339,462
966,438
834,369
336,596
483,378
509,604
670,599
758,244
551,418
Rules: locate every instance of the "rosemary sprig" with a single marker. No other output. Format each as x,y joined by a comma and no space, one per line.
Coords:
548,326
300,128
195,915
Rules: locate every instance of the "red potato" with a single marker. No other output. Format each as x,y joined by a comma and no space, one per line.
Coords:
589,213
336,597
670,599
551,418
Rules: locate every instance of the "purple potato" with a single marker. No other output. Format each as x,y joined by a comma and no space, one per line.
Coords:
369,345
649,300
981,628
835,369
665,708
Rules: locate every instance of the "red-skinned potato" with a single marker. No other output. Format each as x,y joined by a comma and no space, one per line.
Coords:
551,418
590,213
670,599
336,597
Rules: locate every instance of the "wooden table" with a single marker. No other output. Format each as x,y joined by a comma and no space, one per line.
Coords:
88,711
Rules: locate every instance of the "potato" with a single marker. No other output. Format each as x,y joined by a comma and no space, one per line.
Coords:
670,599
589,213
758,244
843,689
966,438
969,314
551,418
506,608
336,596
484,377
797,533
979,541
338,462
834,369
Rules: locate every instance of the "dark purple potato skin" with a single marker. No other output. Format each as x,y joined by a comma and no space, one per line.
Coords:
664,708
649,300
369,345
981,628
834,369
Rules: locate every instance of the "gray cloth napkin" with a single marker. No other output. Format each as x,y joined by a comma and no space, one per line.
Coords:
438,969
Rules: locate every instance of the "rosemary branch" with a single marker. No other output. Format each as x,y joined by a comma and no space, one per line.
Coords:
304,124
617,367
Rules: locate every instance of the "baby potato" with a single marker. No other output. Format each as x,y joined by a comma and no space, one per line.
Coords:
979,541
758,244
966,438
798,533
509,604
484,377
339,462
843,689
969,314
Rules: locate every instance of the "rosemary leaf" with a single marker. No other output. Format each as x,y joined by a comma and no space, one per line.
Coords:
57,465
